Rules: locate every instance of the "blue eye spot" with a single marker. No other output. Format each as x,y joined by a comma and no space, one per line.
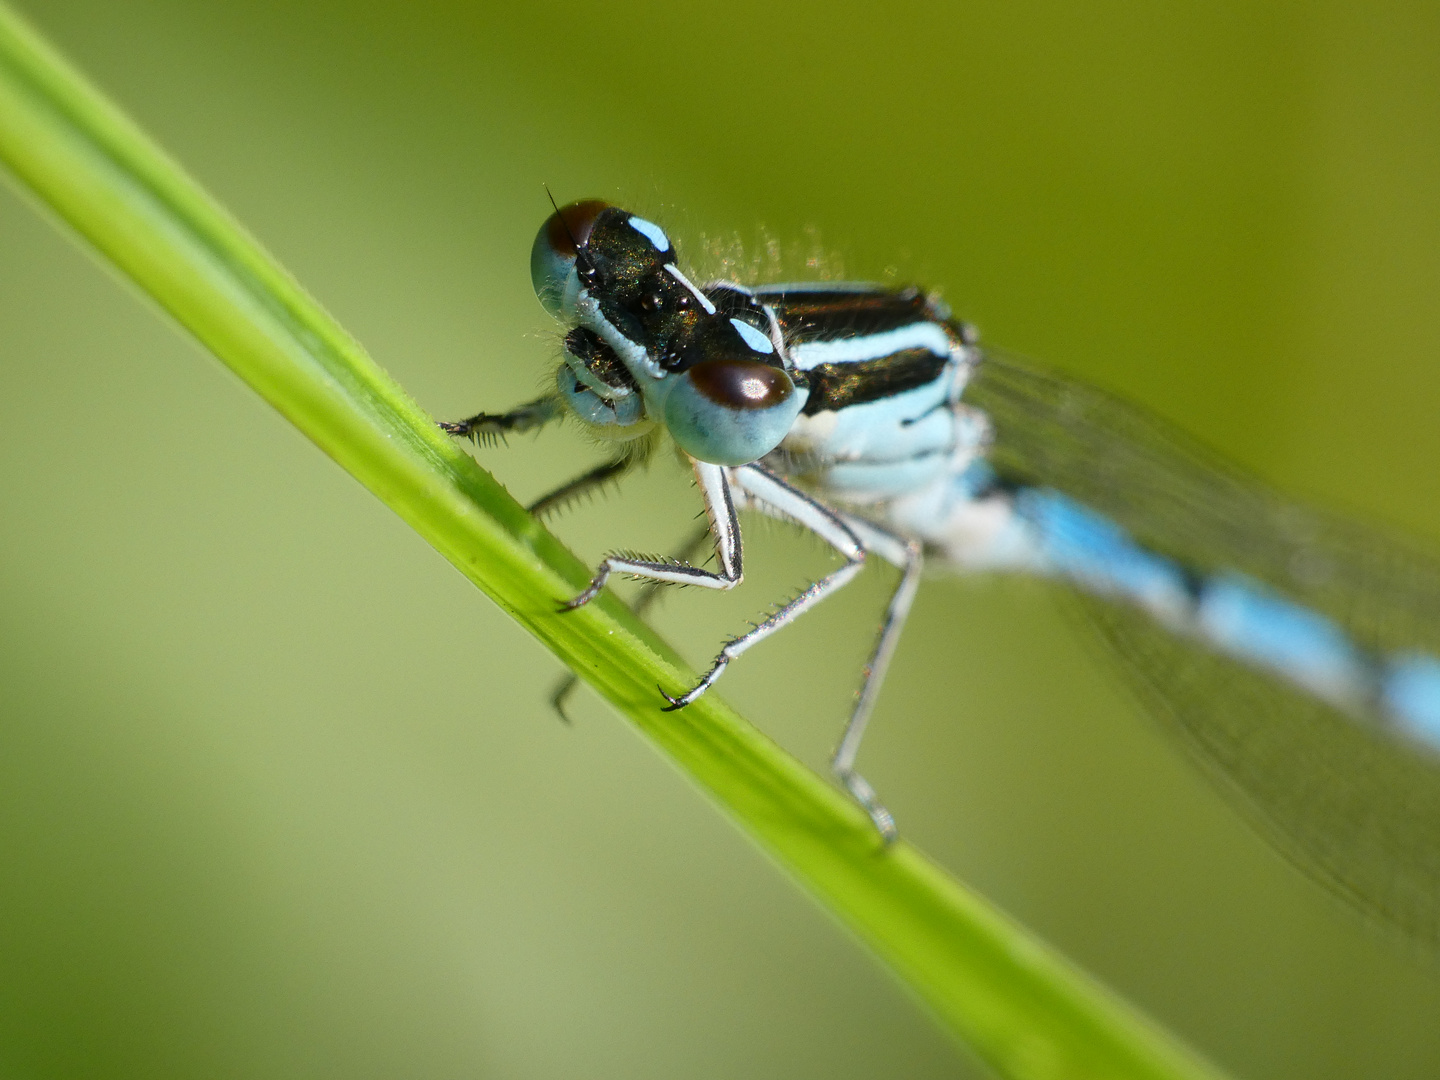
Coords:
754,338
653,233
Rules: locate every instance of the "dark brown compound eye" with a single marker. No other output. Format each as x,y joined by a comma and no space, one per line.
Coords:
741,384
556,266
571,225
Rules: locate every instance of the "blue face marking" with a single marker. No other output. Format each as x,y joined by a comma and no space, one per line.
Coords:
651,232
758,341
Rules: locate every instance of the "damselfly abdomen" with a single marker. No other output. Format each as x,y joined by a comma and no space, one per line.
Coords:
1298,653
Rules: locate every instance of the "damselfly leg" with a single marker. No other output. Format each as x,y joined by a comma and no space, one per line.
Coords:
760,489
649,593
582,485
909,556
724,526
484,429
765,490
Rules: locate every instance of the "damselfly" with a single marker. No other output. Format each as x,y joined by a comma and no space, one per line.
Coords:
1297,652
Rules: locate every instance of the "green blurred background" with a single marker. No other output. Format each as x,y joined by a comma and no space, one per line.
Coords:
280,794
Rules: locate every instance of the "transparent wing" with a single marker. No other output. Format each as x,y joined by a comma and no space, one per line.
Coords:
1358,811
1347,801
1181,500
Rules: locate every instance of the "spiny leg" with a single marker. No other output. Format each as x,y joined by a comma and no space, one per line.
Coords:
724,526
636,452
649,593
486,428
586,482
769,493
909,556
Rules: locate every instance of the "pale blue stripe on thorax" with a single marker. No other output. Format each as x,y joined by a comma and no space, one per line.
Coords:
875,451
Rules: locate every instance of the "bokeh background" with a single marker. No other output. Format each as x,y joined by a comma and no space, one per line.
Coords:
280,794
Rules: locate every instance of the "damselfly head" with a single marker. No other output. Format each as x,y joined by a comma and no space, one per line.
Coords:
602,249
651,345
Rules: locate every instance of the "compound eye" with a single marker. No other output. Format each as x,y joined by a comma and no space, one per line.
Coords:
570,226
741,384
554,254
731,412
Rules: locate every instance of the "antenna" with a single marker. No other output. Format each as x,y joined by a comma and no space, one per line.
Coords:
565,224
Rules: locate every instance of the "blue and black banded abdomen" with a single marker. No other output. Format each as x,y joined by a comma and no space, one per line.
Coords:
1044,532
1236,616
986,524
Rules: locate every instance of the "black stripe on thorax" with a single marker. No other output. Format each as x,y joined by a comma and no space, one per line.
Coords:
834,386
828,314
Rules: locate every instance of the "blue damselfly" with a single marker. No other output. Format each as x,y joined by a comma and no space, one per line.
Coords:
1298,653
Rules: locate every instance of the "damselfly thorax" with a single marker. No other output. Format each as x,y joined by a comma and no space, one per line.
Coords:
870,416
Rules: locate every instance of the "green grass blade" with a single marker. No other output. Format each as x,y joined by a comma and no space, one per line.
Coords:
1027,1012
